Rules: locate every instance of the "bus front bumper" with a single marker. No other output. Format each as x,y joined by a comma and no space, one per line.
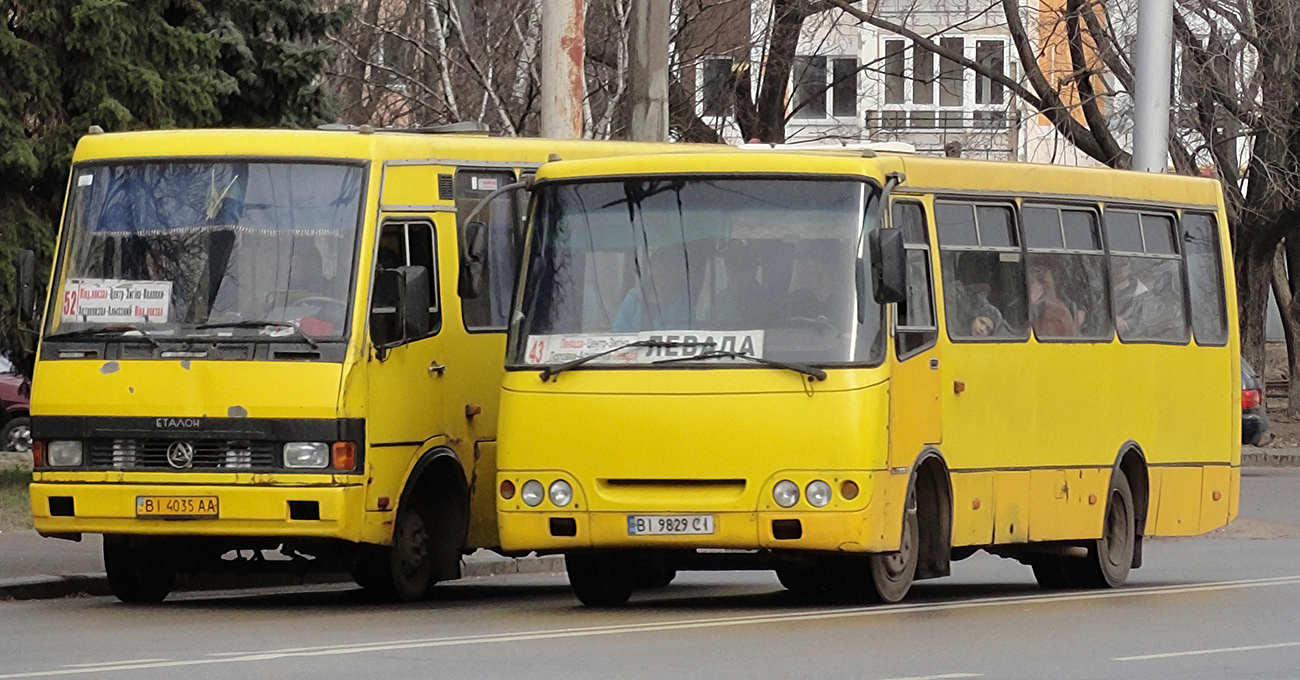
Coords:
801,531
333,512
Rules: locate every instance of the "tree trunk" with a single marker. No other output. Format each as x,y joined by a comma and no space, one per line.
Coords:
1253,264
1287,307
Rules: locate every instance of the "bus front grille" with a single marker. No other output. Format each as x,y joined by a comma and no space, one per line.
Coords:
135,454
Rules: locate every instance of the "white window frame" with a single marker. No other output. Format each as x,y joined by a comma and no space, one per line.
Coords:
799,117
968,108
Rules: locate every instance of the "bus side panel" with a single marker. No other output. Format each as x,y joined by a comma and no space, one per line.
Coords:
972,502
1067,504
483,502
1216,497
1179,512
1011,519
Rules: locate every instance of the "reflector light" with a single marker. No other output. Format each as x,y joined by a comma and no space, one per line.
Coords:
1251,398
38,453
343,455
849,489
507,489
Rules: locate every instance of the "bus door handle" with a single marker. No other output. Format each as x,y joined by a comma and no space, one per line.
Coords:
934,364
437,368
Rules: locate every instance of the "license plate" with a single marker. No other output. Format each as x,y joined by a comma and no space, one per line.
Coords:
176,506
661,525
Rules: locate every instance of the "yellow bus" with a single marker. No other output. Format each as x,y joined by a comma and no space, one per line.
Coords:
262,341
855,368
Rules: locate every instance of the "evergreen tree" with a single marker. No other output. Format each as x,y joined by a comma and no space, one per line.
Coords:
138,64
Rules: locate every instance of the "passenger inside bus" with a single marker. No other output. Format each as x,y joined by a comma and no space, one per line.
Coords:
1051,316
659,298
821,286
1134,303
741,303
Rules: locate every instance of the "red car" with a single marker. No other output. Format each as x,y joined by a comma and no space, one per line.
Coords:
15,433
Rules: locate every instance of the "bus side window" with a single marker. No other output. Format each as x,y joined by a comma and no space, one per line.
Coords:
1067,274
983,271
1146,277
490,309
916,325
404,244
1205,278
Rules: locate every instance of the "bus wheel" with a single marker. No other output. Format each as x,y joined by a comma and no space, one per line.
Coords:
402,571
1053,572
655,577
600,580
892,573
1111,556
803,581
140,570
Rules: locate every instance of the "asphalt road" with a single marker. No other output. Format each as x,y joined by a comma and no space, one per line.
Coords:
1221,606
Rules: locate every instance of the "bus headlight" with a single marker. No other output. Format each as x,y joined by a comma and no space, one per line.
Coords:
63,453
306,455
532,493
785,493
819,493
561,493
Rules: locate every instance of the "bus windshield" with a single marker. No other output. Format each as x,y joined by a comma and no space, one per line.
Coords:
191,247
697,269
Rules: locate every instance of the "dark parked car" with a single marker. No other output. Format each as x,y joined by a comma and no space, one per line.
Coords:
15,434
1254,417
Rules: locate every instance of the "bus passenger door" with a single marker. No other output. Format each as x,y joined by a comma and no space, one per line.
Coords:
405,405
914,413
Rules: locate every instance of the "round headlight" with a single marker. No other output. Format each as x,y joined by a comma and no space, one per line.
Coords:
785,493
532,493
561,493
819,493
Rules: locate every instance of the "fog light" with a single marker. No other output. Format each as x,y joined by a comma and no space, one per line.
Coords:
507,489
785,493
819,493
532,493
561,493
306,455
63,453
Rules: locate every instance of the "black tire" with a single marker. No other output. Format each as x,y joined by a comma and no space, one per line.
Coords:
803,581
1110,558
1053,572
655,577
17,435
402,571
140,570
892,573
600,579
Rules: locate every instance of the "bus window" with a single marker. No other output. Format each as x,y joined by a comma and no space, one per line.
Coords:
1146,278
1067,282
490,309
984,281
404,244
916,325
1204,278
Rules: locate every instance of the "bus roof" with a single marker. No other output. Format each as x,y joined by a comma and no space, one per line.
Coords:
922,174
352,144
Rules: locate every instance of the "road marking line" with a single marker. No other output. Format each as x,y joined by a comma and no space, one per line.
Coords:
946,676
1200,652
683,624
111,663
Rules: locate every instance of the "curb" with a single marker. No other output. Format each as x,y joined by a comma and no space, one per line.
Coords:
1269,458
87,585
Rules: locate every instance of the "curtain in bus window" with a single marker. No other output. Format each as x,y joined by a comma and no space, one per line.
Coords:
1205,278
983,273
1148,299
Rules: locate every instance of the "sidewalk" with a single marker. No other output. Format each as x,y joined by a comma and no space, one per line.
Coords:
32,567
1253,456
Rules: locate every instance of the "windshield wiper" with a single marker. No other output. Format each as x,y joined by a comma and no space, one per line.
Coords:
552,371
810,371
261,323
125,331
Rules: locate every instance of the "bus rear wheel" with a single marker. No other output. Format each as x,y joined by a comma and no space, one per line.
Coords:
403,571
601,579
140,569
1111,557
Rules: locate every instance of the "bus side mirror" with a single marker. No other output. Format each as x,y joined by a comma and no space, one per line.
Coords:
888,265
473,260
26,285
385,319
415,302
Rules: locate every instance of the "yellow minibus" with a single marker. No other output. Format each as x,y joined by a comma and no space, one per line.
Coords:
855,368
273,349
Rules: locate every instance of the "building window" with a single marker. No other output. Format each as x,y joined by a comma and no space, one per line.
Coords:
950,74
988,53
715,90
894,72
844,88
810,87
922,75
